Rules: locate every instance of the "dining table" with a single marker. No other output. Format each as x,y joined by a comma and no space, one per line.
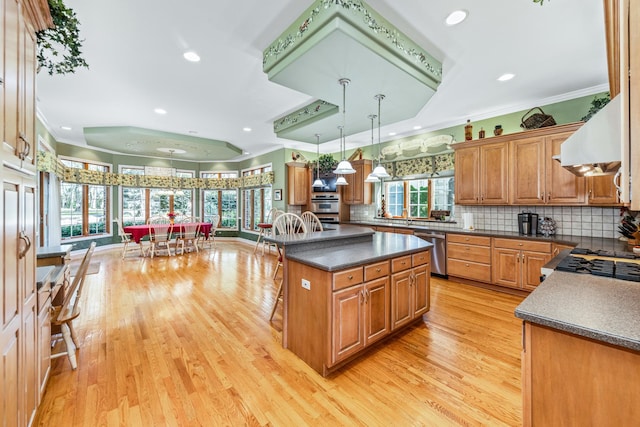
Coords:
139,231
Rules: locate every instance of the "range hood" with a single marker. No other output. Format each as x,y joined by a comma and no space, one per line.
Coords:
595,148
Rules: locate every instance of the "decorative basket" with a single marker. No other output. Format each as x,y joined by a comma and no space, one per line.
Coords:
536,120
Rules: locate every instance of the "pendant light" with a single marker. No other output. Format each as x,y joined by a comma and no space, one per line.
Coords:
171,191
344,167
372,177
318,182
379,171
341,179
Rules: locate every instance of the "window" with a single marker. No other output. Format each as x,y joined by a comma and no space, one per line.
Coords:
419,197
84,208
256,202
138,204
221,202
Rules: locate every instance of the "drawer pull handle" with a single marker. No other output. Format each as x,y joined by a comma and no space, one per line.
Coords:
466,265
378,270
350,277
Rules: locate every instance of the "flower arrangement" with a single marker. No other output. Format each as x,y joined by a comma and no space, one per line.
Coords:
171,215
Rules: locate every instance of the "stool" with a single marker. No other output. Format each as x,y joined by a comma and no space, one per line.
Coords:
265,229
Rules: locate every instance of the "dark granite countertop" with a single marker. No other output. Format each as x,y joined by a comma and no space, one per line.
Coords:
594,307
352,253
43,275
53,251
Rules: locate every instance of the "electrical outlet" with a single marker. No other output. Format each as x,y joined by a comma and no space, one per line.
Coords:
306,284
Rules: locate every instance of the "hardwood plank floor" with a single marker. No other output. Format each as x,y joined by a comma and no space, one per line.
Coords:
186,341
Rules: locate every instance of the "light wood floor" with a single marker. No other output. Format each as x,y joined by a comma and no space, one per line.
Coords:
186,341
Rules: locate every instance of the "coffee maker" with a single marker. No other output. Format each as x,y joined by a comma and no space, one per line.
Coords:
528,223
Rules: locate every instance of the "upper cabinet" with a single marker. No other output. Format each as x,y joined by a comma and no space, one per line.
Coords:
358,192
298,184
538,178
481,174
520,169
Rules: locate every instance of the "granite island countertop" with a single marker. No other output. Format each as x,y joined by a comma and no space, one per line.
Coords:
347,246
599,308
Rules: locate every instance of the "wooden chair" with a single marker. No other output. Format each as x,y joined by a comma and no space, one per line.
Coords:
64,315
211,240
266,229
285,223
160,237
311,221
125,238
189,237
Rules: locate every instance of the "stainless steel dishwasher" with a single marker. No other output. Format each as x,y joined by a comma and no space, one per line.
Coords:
438,252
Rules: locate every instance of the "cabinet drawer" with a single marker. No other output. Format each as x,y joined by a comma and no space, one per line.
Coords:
375,271
469,270
401,263
420,258
464,252
471,240
347,278
524,245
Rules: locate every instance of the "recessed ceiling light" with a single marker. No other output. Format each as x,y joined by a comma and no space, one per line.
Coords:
456,17
191,56
505,77
246,129
246,152
160,111
392,133
417,127
65,128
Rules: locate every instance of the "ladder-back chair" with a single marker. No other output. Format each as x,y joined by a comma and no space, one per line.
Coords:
160,236
125,238
64,315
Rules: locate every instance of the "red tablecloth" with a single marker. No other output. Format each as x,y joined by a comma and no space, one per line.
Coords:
139,231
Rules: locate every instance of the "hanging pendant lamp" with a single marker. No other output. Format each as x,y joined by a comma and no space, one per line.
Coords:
341,179
379,171
372,177
344,167
318,182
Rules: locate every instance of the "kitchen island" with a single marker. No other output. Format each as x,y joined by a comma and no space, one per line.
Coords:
581,351
348,288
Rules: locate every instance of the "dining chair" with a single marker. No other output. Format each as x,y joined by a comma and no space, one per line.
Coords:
210,240
125,238
160,237
62,316
311,221
266,229
189,237
284,224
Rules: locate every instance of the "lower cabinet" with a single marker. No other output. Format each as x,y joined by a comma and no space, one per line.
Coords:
409,288
469,257
330,317
517,263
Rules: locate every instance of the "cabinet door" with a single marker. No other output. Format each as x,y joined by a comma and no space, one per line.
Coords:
348,336
298,185
10,79
506,267
421,276
376,319
532,263
467,176
44,350
527,171
562,187
601,190
358,192
401,297
494,178
26,119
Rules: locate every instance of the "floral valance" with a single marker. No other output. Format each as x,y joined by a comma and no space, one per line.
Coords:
421,166
48,162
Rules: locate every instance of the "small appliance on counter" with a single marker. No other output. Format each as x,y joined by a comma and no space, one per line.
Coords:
528,223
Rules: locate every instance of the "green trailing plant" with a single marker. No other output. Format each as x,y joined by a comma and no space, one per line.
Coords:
326,163
60,47
596,105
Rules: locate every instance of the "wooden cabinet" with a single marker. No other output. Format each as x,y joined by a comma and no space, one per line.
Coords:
398,230
469,257
601,190
517,263
331,317
19,337
358,192
538,178
556,248
481,174
569,377
409,288
298,184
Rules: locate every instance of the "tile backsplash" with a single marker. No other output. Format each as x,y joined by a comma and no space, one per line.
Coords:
575,221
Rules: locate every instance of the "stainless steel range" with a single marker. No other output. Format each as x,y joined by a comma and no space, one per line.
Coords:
326,206
618,265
